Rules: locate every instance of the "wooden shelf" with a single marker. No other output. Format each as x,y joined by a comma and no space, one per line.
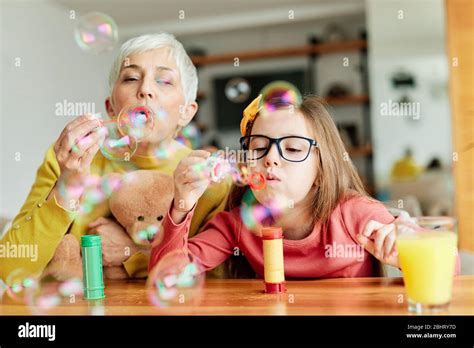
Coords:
365,150
347,100
304,50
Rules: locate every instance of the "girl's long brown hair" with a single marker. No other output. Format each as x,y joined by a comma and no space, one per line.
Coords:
336,177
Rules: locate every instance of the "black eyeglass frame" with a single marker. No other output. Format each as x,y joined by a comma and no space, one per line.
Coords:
277,141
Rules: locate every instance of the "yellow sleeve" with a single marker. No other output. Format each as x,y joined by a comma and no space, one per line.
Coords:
212,202
38,228
136,265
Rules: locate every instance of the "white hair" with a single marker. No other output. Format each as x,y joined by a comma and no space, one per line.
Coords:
187,70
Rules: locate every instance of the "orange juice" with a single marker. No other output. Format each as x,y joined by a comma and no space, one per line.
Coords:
427,260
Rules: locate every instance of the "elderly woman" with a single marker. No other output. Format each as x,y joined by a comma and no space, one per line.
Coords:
153,70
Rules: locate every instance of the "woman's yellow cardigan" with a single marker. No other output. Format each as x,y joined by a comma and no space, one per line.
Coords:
44,223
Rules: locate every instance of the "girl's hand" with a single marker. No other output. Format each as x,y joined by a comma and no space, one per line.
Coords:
379,240
189,183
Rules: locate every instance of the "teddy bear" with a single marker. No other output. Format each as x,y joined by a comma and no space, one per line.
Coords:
139,206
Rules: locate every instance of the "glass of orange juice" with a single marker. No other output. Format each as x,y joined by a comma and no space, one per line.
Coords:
427,252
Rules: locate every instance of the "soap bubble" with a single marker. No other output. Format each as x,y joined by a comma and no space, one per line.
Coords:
3,288
120,136
240,175
146,235
72,185
237,90
92,190
243,176
110,183
279,94
96,307
15,285
48,292
97,193
216,168
115,145
136,122
96,32
177,279
166,151
254,214
257,181
190,136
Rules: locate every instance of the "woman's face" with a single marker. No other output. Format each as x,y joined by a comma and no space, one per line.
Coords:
286,182
152,78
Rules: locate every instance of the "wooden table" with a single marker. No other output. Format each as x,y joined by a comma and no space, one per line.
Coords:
343,296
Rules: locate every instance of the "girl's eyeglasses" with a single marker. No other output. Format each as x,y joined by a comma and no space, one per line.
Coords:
290,148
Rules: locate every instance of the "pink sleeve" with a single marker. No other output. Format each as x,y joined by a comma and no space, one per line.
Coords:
212,246
358,211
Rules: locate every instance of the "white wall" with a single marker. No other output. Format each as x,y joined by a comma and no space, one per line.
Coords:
52,69
415,43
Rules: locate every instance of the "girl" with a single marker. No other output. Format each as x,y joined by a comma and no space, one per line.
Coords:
331,228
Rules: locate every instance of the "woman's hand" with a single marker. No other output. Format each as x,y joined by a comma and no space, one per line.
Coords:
75,148
117,246
189,183
379,240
